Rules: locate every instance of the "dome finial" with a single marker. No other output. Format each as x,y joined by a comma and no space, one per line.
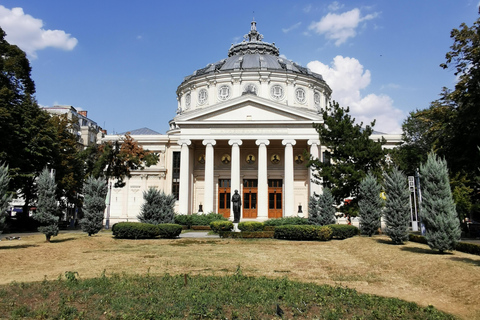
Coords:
253,35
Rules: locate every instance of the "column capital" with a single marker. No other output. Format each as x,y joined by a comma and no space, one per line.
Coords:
235,141
289,141
262,141
184,141
313,141
209,141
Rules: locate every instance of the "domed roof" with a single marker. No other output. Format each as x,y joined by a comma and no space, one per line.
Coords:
253,54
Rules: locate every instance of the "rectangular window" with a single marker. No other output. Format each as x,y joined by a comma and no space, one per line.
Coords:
176,174
326,157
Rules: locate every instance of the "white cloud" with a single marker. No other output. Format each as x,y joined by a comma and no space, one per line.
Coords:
307,8
347,78
295,26
334,6
340,27
27,32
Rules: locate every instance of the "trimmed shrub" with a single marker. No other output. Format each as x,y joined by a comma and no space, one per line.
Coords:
247,234
250,226
302,232
343,231
169,230
183,219
268,228
219,225
286,221
466,247
134,230
198,219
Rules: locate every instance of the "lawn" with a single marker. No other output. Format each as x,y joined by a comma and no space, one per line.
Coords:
412,272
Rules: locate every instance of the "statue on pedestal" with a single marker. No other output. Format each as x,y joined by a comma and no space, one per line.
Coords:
237,204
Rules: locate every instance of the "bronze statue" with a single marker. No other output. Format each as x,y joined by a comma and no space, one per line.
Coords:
237,204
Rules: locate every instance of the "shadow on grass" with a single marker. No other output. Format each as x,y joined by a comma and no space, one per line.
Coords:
423,250
467,260
385,241
61,240
20,246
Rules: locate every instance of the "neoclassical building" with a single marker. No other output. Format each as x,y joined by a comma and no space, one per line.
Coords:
243,123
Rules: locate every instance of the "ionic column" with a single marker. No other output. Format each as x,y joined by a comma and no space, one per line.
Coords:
289,204
184,194
235,169
314,151
262,196
209,198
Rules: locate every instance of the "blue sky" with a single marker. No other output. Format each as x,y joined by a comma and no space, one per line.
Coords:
123,60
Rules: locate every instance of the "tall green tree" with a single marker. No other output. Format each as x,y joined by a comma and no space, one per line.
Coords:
437,207
94,192
352,153
370,205
47,209
321,210
157,208
397,206
5,197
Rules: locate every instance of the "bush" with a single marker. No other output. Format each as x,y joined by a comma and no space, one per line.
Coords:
247,234
158,207
466,247
198,219
303,232
134,230
219,225
250,226
343,231
183,219
169,230
286,221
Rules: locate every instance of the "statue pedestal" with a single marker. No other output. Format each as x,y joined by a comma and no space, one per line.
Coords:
235,227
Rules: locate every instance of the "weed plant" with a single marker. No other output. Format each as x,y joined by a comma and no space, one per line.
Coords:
197,297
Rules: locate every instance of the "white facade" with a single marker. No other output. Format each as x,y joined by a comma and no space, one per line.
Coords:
243,123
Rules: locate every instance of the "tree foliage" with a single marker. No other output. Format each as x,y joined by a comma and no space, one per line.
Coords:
94,193
397,206
158,207
437,207
47,209
321,210
116,159
5,197
352,153
370,205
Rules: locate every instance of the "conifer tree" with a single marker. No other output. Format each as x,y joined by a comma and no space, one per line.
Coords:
438,208
47,209
95,191
369,205
397,206
4,196
157,208
321,208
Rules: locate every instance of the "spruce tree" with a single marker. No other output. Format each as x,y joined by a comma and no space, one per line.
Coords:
397,206
4,196
369,205
95,191
321,208
157,208
438,208
47,209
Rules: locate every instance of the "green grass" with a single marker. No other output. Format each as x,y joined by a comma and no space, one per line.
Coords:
196,297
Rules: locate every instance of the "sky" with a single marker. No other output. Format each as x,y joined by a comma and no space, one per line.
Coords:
122,61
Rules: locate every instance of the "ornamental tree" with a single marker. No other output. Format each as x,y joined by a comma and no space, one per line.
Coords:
397,206
437,209
4,195
321,210
370,205
47,209
157,208
95,191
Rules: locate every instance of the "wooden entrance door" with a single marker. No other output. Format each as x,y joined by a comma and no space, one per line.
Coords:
224,197
275,198
250,198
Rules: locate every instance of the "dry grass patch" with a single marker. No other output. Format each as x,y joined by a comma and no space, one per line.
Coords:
371,265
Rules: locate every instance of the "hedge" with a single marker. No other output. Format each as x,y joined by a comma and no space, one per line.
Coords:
303,232
218,226
247,234
466,247
198,219
250,226
138,230
286,221
343,231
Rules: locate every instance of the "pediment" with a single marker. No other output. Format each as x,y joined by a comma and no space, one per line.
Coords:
248,108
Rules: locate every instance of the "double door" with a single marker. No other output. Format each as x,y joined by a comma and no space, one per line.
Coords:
275,198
